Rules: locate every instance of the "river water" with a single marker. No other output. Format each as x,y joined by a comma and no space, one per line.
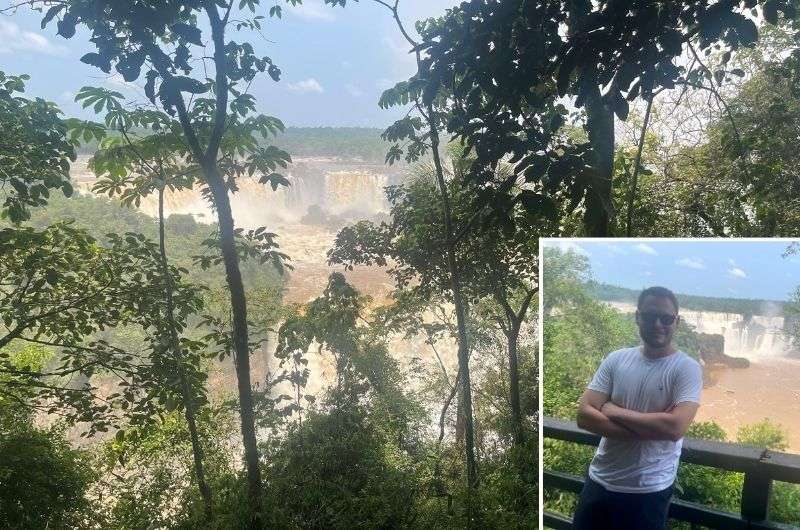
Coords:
769,388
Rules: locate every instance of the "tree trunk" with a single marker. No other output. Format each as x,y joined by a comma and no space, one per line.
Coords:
636,165
188,399
600,128
461,323
241,347
513,379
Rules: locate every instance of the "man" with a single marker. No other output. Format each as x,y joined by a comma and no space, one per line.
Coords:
641,401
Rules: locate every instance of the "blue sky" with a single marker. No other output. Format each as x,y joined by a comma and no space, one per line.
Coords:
335,62
730,268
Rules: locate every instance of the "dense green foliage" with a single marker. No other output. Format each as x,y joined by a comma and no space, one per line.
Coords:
34,152
509,65
43,480
742,306
343,142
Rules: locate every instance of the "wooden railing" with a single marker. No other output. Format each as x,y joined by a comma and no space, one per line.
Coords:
760,467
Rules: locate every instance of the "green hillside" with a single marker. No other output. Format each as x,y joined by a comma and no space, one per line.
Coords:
345,142
742,306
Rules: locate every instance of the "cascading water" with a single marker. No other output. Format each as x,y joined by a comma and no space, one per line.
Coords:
351,188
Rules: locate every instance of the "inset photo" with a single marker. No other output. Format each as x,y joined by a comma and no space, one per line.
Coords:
670,383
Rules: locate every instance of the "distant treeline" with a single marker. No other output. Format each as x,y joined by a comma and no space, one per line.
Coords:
343,142
742,306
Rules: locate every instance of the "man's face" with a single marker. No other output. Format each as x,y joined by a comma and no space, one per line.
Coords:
657,319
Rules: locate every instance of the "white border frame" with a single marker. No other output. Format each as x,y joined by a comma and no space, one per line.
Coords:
540,324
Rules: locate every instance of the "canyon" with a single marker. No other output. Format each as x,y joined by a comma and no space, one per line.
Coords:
324,194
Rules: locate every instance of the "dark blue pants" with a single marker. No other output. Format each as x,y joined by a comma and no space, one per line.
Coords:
600,509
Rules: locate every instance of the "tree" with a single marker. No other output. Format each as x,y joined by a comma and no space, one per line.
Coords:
148,156
134,167
129,37
422,132
763,434
508,66
497,271
34,151
43,480
61,289
66,310
366,415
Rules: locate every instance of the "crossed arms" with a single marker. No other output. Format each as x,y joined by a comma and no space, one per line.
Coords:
597,414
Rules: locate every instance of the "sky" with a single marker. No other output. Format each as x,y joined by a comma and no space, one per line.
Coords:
335,61
717,268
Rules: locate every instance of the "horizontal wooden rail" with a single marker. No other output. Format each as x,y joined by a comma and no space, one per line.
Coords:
760,467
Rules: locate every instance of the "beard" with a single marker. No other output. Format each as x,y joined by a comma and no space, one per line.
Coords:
656,340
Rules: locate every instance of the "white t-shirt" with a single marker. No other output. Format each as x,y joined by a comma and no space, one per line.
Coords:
636,382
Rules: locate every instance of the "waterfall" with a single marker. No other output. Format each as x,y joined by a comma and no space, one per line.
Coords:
344,188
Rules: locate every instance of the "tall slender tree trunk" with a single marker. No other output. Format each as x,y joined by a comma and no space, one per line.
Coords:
188,398
600,128
461,323
637,163
241,346
465,396
513,380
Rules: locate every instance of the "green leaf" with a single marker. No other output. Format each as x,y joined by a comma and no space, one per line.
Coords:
770,10
274,72
66,26
190,34
95,59
51,13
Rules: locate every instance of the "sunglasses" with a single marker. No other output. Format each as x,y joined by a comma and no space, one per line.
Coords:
650,318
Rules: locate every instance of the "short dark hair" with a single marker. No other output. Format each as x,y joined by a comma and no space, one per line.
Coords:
660,292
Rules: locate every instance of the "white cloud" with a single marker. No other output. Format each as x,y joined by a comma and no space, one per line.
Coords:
647,273
401,50
731,262
736,272
14,40
568,246
692,263
384,83
353,90
314,11
67,97
616,249
116,81
646,249
306,86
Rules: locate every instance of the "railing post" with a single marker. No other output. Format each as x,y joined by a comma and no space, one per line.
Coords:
756,495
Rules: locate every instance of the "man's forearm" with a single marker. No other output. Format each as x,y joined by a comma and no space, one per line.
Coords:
648,425
592,420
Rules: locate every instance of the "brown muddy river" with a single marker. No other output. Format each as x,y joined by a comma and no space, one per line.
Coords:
769,388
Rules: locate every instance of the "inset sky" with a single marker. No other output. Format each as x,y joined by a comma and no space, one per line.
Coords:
720,268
